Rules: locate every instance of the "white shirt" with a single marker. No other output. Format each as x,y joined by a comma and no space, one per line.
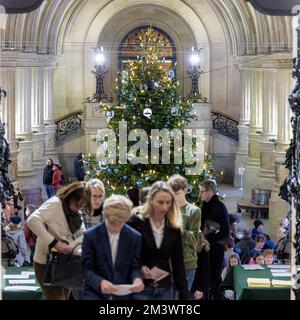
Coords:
113,241
158,233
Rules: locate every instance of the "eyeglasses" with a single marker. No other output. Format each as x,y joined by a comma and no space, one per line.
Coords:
203,191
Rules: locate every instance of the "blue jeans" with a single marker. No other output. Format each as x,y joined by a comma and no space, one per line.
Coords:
150,293
190,275
49,190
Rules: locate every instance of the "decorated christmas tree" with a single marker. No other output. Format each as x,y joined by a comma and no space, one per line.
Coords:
145,140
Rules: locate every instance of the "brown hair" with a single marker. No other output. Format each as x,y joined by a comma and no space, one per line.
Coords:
75,192
178,182
202,243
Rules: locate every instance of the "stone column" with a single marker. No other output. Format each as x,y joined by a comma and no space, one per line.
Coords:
23,124
253,163
242,152
50,127
279,207
266,177
8,114
37,118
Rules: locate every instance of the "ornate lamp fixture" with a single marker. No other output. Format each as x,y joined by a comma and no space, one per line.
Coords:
100,72
194,72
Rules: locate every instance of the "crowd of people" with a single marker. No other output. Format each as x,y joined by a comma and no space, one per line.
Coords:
128,242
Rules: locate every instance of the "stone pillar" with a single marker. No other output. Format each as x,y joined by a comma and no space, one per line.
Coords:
242,152
37,118
50,127
37,95
23,126
23,103
253,163
266,177
279,207
8,114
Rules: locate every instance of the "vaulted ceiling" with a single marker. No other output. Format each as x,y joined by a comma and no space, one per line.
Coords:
246,31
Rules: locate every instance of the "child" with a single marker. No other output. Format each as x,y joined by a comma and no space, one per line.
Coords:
258,258
201,280
258,229
29,235
230,250
190,227
234,260
269,256
260,242
15,231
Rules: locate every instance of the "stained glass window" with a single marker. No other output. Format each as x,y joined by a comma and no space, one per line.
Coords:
129,48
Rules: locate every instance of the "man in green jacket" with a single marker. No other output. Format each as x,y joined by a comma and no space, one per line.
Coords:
191,217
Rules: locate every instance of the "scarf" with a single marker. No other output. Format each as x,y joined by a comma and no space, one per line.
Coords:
73,218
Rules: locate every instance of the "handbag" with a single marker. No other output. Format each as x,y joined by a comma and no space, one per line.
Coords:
210,227
63,270
213,227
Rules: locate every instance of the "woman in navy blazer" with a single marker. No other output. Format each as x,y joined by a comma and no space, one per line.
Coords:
161,244
104,264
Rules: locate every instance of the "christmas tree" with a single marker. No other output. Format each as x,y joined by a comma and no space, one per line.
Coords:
148,98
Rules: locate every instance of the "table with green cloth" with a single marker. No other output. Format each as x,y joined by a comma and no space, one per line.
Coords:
236,280
22,294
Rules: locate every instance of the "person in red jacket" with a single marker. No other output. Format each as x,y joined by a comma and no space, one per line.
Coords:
29,235
56,179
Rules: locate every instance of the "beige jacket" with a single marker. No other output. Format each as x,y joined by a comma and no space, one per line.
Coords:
51,214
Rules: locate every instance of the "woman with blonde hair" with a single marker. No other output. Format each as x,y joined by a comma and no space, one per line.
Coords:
93,216
58,226
159,226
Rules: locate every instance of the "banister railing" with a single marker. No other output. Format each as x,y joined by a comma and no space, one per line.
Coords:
69,123
225,124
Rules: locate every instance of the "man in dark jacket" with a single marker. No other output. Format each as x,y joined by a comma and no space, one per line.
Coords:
78,167
47,178
215,227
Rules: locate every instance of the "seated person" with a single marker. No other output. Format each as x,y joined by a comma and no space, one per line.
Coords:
15,230
282,231
229,251
110,253
270,244
269,256
260,243
234,260
258,229
258,258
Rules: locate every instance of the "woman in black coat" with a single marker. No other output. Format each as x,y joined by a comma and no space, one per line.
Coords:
159,225
215,226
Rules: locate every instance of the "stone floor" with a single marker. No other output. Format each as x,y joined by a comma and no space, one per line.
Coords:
232,195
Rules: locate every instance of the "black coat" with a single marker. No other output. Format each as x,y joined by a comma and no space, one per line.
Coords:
170,250
215,210
48,174
201,280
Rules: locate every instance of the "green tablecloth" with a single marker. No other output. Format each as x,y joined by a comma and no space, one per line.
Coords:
24,294
236,279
